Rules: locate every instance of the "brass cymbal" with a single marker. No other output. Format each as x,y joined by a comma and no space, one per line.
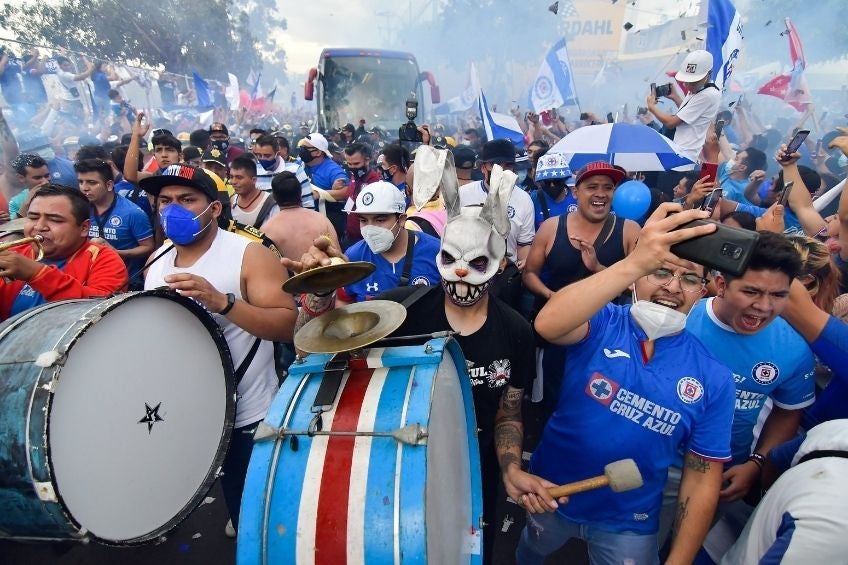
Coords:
322,280
353,326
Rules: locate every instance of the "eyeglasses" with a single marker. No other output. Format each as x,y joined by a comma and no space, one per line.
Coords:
688,282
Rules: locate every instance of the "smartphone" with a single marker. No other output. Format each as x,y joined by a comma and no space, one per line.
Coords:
641,110
719,127
654,90
663,89
709,170
711,201
610,118
727,250
584,116
783,198
795,143
818,148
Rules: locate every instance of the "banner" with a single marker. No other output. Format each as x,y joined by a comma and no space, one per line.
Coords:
201,89
594,31
554,84
724,39
499,126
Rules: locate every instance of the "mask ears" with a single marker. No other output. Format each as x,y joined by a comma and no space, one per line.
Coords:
501,183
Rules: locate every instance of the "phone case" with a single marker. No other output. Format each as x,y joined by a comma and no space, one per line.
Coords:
727,249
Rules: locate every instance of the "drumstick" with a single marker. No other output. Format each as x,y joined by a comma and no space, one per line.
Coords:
619,475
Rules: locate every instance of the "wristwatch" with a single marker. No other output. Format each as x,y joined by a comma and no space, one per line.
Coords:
231,301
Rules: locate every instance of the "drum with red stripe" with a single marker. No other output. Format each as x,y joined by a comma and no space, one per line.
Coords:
387,472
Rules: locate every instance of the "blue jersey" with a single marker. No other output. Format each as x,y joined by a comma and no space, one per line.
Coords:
733,189
387,275
326,173
123,226
790,220
613,405
568,205
775,362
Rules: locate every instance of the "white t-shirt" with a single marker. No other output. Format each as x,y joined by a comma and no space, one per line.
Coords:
249,218
221,266
520,210
697,112
69,86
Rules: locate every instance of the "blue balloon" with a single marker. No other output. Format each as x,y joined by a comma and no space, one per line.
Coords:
631,199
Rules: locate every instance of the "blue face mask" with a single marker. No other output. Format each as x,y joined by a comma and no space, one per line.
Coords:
268,164
180,225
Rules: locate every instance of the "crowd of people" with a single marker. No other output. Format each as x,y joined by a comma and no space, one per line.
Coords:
587,340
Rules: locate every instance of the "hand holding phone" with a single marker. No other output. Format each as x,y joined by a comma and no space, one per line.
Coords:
794,144
727,249
783,197
709,171
711,201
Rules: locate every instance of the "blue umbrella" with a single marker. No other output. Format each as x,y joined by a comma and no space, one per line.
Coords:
635,147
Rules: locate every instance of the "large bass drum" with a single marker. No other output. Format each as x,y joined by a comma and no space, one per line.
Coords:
115,416
389,473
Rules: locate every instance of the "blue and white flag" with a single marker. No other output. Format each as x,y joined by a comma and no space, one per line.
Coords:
499,126
554,84
255,90
201,89
724,39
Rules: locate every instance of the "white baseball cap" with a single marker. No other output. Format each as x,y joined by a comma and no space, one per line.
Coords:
696,66
319,142
380,197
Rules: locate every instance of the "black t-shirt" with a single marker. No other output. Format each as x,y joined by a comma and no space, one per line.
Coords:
501,352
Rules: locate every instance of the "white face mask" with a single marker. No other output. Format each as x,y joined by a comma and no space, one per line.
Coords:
656,320
378,239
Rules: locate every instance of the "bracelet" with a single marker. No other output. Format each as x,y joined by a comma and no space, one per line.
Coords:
231,301
757,458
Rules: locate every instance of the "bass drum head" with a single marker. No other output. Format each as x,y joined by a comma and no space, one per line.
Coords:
140,418
448,493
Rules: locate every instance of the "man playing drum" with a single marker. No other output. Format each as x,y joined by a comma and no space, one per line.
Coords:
496,341
239,282
72,266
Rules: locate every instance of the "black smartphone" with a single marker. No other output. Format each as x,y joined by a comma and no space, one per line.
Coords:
654,89
610,118
711,201
726,250
795,143
719,127
584,116
641,110
663,89
783,198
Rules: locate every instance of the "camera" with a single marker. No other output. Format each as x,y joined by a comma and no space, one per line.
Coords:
408,133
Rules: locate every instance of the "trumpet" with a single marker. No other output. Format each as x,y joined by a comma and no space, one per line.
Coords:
36,239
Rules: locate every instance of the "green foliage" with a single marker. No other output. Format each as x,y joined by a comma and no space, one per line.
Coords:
212,36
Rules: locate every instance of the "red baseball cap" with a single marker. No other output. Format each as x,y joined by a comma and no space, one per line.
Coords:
599,168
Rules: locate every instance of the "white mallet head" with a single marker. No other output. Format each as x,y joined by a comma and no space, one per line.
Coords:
623,475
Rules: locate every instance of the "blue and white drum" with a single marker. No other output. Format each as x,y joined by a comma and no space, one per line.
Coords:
391,475
115,416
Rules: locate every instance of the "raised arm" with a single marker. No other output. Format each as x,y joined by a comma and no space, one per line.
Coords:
564,319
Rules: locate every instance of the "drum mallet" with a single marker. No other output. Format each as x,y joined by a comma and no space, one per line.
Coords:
619,475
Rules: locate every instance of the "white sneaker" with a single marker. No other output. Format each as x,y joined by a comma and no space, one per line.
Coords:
229,530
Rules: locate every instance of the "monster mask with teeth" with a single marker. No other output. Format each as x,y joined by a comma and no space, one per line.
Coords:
474,240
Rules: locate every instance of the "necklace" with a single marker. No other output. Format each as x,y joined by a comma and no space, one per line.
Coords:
245,207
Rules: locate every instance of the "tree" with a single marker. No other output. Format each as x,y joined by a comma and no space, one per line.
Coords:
212,36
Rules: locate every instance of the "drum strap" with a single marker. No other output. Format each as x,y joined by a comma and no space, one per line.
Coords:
407,262
248,359
331,382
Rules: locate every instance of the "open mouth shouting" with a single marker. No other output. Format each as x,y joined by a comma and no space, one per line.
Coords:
464,294
750,322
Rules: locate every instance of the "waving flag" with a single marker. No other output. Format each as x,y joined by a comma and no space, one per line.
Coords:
466,99
724,39
554,84
791,87
499,126
255,91
201,88
231,92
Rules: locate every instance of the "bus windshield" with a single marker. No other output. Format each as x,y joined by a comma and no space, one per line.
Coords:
368,87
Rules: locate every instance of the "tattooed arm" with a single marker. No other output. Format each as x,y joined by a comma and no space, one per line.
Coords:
527,490
696,504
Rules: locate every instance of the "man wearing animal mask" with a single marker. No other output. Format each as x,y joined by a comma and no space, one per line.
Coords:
496,340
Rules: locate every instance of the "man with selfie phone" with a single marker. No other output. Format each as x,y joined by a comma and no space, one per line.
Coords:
695,111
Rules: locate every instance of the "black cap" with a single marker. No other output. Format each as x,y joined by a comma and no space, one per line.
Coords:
219,127
181,175
498,151
464,157
214,155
